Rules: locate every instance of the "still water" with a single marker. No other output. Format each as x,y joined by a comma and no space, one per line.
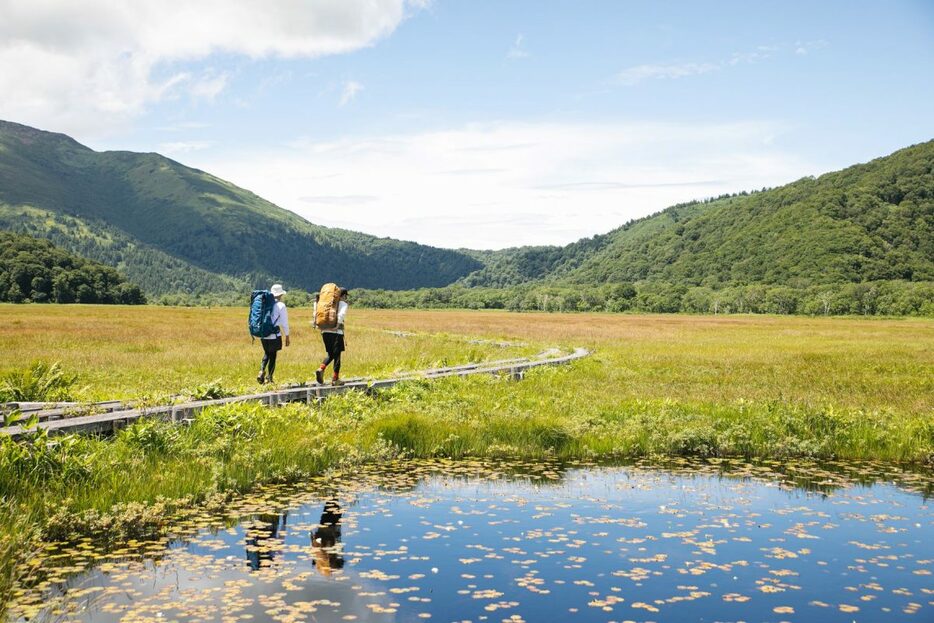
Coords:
485,541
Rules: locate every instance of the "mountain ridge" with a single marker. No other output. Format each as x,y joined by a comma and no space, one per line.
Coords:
157,204
175,229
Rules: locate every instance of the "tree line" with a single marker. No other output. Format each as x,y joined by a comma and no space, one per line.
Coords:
36,271
889,298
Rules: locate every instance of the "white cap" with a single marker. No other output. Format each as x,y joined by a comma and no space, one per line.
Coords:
276,289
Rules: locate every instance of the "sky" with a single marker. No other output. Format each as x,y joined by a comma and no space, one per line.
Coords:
478,124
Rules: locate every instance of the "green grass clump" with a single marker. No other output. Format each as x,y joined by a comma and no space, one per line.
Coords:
210,391
40,382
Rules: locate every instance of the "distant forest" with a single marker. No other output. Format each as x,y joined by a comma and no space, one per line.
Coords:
890,298
36,271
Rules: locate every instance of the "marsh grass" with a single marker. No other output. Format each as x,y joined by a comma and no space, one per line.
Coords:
754,387
153,352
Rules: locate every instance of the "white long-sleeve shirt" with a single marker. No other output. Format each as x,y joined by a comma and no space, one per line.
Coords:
341,315
280,318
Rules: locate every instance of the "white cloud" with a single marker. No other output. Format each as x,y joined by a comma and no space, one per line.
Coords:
210,85
635,75
349,91
183,126
506,184
802,48
339,199
183,147
517,51
632,76
83,66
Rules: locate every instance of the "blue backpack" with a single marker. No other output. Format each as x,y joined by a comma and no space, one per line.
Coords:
262,302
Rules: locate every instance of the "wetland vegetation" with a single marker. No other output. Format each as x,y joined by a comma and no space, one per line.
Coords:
759,388
512,540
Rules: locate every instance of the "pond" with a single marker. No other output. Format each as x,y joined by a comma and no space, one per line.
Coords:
488,541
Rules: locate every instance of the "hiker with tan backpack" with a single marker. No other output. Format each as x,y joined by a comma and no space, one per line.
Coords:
330,311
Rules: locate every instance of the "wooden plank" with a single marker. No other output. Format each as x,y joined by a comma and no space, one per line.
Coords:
118,418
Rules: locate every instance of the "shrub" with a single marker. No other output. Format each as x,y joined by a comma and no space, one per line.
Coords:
39,382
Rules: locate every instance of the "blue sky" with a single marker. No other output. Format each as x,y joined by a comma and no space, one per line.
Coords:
479,124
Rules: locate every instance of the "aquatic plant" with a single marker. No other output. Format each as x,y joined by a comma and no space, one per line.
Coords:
19,533
151,436
37,459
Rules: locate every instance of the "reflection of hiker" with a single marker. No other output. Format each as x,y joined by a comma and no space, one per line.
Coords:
325,539
259,546
272,343
332,334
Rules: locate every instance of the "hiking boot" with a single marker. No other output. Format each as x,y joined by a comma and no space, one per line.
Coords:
336,381
260,378
319,376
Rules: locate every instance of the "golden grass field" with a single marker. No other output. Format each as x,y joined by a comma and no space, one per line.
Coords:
123,352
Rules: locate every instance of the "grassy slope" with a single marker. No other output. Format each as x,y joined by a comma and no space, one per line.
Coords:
656,385
200,220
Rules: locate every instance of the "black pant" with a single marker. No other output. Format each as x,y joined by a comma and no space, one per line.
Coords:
334,345
270,349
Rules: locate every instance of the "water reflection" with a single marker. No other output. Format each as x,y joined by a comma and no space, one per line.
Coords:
262,539
490,541
326,540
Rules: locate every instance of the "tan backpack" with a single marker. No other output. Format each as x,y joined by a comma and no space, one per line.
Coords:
328,301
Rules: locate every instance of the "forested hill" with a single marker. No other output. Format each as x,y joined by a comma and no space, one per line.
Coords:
33,270
177,230
171,228
868,222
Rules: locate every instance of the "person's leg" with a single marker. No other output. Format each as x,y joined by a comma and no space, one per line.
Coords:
272,348
337,349
272,364
261,377
319,373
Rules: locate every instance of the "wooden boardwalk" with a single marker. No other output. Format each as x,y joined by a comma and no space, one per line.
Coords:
104,417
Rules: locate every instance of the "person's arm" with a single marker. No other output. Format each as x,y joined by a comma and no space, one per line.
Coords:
341,314
314,315
284,323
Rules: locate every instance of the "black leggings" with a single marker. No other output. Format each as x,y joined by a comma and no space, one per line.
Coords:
334,345
337,362
271,348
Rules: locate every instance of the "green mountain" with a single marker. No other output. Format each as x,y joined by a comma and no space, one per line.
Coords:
37,271
171,228
177,230
869,222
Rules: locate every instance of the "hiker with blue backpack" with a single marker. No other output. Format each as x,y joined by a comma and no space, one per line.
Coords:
269,321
